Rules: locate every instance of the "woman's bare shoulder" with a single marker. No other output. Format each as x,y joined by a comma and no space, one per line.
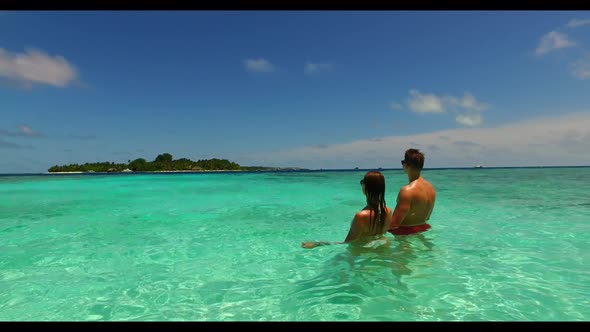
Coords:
363,214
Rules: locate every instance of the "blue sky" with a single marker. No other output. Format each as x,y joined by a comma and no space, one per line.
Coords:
325,89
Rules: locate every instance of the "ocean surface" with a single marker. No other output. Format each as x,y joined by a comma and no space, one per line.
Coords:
505,245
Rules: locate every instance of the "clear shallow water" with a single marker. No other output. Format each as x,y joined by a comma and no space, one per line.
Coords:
506,245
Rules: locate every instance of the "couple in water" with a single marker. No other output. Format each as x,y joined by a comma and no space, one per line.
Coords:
415,202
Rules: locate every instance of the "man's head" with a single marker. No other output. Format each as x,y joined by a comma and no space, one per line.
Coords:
413,159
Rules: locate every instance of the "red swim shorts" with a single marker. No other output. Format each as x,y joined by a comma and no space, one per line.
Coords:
407,230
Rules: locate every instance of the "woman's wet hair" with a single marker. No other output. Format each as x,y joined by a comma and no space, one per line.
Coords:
375,188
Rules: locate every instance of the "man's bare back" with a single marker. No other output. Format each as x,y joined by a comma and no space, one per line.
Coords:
422,196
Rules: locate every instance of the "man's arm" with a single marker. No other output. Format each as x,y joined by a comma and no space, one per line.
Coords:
432,207
404,199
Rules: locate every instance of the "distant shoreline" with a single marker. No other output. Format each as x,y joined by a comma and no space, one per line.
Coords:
279,170
179,171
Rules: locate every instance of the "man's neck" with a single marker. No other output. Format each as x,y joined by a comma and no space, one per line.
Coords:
413,175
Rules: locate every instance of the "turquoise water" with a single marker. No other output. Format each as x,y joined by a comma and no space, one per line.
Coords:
506,245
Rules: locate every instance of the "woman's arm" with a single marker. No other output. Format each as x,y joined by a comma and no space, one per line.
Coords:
355,228
353,234
313,244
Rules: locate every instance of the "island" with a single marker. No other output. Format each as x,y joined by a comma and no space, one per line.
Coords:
164,163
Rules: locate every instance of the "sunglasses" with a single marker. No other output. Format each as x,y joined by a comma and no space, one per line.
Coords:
362,181
403,162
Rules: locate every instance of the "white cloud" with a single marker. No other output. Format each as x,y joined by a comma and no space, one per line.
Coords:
467,107
26,130
396,106
561,140
469,120
468,102
36,67
311,68
574,23
425,103
23,130
581,68
552,41
258,65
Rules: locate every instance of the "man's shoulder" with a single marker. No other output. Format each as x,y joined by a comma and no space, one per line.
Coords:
430,186
405,188
427,183
406,191
415,188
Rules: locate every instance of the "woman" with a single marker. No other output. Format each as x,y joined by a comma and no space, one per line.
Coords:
373,221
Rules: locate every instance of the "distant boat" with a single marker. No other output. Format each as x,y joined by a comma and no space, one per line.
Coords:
478,166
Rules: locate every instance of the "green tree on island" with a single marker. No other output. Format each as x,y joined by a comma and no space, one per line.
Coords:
163,162
164,158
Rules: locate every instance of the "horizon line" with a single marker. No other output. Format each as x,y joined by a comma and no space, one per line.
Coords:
302,170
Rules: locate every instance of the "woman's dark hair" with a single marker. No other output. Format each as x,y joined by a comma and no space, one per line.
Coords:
375,189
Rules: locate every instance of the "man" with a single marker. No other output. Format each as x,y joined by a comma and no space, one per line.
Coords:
415,200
